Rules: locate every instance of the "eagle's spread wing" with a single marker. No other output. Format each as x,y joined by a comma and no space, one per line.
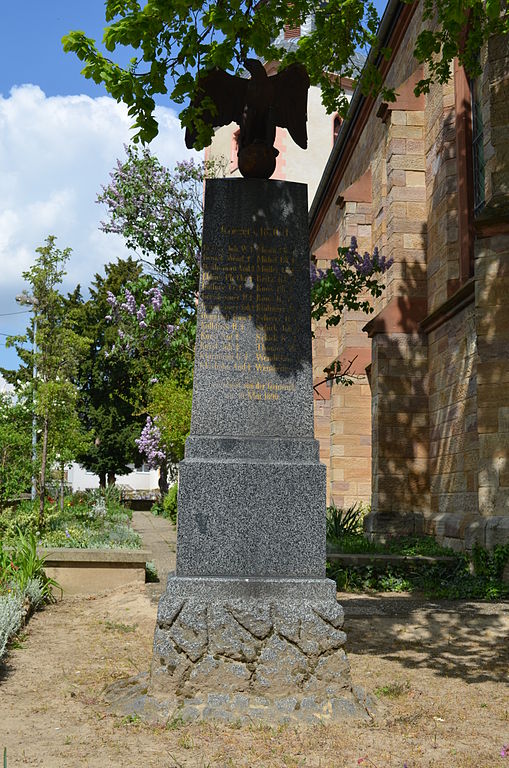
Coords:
228,94
290,103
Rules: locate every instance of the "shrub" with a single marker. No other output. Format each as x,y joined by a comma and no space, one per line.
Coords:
170,504
12,613
436,580
151,575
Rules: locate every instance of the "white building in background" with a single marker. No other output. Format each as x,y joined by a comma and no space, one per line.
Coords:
141,479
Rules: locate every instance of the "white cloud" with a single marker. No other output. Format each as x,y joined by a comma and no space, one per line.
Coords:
55,152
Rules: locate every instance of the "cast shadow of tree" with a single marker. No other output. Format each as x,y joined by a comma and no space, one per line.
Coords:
464,640
399,384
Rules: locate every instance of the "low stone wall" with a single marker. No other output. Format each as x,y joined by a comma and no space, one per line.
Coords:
457,531
87,571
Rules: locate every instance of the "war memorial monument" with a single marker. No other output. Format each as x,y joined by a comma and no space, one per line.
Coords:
249,626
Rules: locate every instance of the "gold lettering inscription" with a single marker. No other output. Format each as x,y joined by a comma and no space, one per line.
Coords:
246,329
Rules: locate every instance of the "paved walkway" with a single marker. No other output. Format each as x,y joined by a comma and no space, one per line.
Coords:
159,536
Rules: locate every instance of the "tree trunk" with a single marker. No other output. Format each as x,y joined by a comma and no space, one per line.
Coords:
111,478
102,479
42,482
163,479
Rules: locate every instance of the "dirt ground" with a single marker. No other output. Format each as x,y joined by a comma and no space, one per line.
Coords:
440,673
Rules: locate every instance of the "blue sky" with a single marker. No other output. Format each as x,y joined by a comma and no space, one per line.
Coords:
31,50
60,135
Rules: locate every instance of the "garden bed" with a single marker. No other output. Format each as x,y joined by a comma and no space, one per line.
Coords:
411,563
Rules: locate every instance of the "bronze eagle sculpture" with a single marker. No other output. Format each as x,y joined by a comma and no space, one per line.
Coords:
258,105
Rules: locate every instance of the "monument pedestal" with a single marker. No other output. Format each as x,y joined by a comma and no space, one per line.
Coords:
268,649
249,625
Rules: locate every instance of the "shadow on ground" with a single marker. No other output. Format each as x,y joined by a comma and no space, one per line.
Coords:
467,640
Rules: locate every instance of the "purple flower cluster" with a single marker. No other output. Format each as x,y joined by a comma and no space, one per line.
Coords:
365,265
149,444
129,304
156,298
315,274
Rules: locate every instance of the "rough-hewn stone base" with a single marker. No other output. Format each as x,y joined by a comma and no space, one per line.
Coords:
251,648
244,650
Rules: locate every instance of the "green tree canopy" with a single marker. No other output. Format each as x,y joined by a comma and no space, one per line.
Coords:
175,41
49,365
15,446
107,383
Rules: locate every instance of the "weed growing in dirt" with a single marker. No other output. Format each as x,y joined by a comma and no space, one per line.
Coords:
176,722
119,627
392,690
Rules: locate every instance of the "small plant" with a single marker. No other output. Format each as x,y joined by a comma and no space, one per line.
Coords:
119,627
344,522
151,576
392,690
176,722
21,568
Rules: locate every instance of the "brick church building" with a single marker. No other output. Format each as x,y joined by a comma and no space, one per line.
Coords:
423,433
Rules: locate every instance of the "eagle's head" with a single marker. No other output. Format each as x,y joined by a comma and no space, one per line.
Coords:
255,68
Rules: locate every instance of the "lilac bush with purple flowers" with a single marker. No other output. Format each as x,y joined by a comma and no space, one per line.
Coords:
347,285
159,213
149,444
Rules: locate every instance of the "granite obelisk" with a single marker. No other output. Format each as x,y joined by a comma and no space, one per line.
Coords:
249,625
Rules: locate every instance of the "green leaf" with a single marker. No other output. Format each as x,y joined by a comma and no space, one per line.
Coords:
493,9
